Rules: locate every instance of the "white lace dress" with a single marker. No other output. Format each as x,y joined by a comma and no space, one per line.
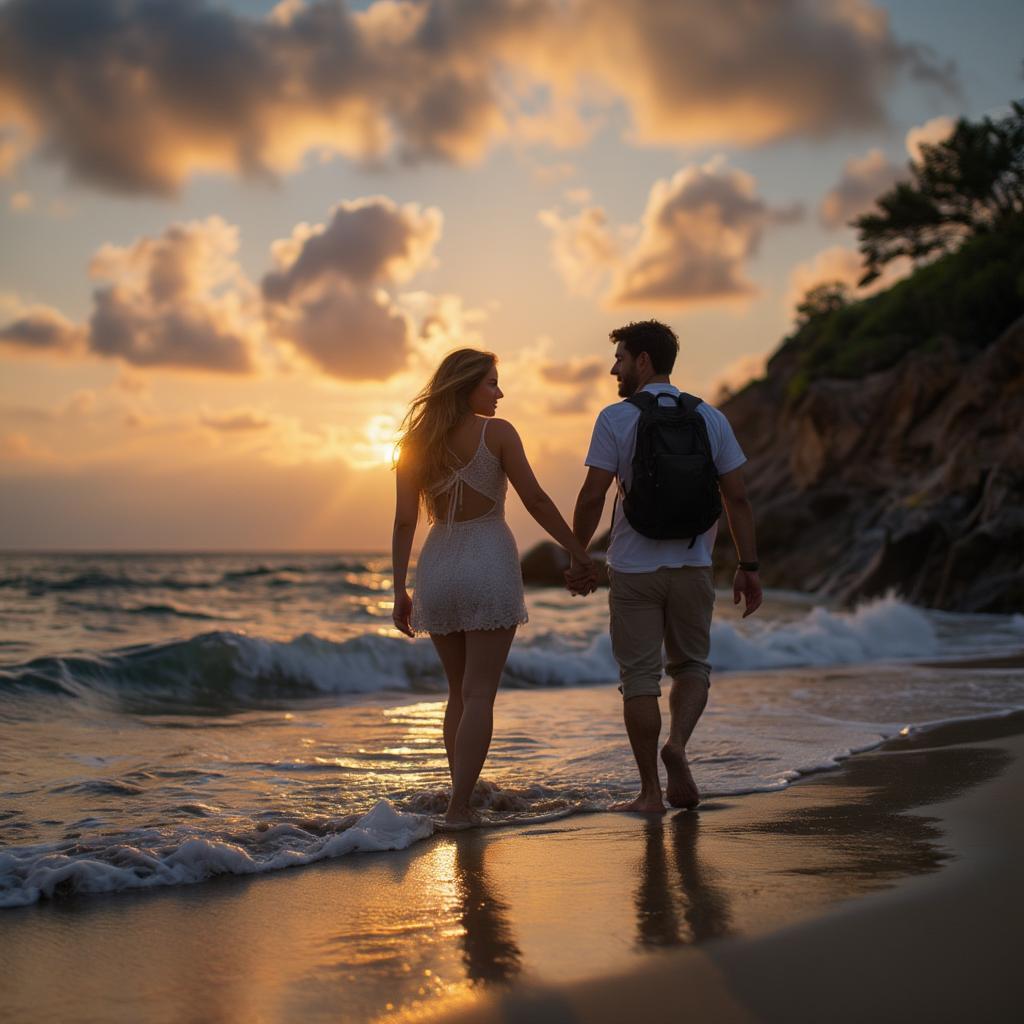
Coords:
468,575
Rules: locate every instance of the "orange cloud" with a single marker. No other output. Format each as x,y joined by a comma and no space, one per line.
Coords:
180,300
41,330
585,249
938,129
238,421
697,232
138,95
575,371
175,301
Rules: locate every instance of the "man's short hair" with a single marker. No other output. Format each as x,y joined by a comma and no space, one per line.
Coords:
658,340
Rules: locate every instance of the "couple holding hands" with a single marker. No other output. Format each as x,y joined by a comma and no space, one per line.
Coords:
675,463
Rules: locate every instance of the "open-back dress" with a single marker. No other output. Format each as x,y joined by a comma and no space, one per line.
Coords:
468,575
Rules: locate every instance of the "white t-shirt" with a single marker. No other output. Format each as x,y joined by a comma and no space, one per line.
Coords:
612,447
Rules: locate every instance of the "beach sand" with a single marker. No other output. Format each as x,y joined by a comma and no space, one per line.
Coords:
888,889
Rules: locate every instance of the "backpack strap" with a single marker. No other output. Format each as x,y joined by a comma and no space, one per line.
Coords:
643,400
688,402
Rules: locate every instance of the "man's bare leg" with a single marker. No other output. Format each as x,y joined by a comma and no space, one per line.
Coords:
643,726
687,700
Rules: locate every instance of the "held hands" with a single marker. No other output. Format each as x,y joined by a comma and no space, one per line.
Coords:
581,577
403,609
748,586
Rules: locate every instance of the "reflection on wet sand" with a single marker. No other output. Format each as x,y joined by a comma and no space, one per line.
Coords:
836,842
868,840
684,904
490,952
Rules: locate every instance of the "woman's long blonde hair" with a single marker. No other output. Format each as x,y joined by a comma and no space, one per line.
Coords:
432,416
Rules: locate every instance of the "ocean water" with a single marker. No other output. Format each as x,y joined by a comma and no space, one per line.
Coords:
168,718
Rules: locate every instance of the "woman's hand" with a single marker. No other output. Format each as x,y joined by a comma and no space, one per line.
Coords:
403,609
581,576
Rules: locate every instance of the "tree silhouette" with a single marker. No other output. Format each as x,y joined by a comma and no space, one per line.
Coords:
822,300
970,184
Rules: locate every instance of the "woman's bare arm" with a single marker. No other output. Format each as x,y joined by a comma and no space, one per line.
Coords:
534,497
407,511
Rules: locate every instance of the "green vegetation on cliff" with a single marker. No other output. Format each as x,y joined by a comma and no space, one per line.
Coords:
962,211
969,296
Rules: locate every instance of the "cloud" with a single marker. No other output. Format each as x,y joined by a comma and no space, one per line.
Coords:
326,296
703,72
842,265
238,421
43,330
938,129
863,180
176,301
574,371
575,379
138,95
445,322
584,247
179,300
347,332
697,232
366,241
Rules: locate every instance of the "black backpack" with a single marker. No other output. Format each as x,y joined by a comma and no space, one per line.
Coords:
674,493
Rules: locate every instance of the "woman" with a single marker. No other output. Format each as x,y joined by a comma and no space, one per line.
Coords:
456,460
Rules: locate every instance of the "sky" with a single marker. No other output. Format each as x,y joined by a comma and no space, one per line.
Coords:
236,238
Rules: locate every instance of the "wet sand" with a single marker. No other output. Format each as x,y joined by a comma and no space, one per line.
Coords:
939,945
888,889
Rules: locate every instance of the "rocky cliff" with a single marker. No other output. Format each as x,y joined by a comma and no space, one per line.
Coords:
910,479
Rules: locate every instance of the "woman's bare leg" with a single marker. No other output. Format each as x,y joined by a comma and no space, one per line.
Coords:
486,653
451,649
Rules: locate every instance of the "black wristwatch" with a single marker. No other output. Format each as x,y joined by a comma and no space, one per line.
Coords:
750,566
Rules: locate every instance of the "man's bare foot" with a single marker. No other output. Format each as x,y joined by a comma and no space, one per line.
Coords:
642,805
681,789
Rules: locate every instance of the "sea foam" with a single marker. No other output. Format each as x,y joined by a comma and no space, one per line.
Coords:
886,629
151,858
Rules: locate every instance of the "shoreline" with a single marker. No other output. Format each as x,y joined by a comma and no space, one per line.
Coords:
576,911
940,945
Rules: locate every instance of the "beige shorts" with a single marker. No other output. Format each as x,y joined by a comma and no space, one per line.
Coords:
649,610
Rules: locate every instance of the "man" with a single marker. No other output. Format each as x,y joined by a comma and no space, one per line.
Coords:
661,591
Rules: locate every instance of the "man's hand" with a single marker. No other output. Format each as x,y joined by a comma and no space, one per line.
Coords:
581,578
748,586
402,612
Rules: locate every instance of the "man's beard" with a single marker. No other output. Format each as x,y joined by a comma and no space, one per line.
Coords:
627,386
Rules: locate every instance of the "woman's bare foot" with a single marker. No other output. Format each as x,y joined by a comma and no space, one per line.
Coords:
458,825
457,821
642,805
681,789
